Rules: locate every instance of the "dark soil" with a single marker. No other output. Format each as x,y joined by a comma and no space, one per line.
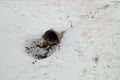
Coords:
39,50
44,47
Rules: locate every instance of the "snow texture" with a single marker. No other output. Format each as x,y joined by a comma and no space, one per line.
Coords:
89,49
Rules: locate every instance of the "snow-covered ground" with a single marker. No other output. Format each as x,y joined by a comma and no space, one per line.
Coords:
90,48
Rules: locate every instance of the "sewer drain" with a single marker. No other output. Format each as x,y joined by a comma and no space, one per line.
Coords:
44,47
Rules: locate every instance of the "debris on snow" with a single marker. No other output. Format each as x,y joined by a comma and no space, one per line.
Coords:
42,48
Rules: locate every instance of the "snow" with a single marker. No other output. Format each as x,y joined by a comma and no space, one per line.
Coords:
90,48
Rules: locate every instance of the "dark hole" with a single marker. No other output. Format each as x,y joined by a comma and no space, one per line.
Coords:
50,38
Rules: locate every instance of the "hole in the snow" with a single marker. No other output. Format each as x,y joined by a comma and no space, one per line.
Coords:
45,46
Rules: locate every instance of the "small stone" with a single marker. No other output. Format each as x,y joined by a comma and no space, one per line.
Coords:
32,62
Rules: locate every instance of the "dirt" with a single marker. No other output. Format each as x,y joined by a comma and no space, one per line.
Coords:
43,47
38,50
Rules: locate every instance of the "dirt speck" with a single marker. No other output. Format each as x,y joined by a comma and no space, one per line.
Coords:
106,6
108,66
96,59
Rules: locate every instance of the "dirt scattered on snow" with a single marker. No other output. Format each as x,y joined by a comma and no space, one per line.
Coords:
45,46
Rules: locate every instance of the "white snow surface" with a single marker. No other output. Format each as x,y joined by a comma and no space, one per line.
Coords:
90,47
